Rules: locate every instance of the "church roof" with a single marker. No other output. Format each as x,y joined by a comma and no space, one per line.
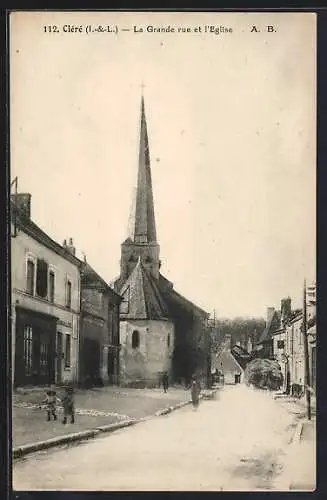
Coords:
142,298
142,221
167,287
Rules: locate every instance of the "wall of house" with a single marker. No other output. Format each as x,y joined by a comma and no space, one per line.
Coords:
229,377
91,334
295,351
226,363
102,329
312,364
24,247
152,356
280,354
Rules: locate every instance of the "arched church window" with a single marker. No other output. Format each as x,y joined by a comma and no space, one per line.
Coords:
168,340
135,339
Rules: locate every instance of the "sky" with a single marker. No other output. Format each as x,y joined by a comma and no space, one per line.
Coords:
232,132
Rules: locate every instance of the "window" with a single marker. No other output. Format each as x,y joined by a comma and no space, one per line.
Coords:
280,344
43,358
30,277
168,340
135,339
28,349
42,278
69,294
67,351
124,305
51,286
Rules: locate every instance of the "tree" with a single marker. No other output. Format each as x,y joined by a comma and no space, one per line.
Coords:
264,374
241,329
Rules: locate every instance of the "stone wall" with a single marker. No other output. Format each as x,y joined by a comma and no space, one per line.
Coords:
147,361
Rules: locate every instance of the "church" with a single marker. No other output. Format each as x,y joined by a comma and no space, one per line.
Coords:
160,330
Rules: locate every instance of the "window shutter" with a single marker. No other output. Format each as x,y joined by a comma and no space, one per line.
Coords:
42,278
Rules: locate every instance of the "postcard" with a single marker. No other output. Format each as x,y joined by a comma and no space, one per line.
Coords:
163,215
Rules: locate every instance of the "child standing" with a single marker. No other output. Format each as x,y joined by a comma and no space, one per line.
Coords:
51,402
69,406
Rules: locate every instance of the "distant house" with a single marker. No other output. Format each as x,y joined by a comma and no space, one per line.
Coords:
99,330
45,302
264,348
225,363
242,356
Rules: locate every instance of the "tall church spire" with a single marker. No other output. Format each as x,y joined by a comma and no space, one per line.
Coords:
142,223
142,239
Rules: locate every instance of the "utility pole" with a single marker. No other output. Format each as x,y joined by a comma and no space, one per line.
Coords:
306,352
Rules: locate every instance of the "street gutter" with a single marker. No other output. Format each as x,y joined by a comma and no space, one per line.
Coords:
76,437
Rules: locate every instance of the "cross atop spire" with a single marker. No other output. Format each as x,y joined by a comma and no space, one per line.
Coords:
143,226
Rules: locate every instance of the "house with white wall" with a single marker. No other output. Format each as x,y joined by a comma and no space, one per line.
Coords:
225,363
45,302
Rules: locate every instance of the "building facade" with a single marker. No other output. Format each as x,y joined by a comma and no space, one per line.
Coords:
225,363
160,330
289,348
99,330
45,308
264,348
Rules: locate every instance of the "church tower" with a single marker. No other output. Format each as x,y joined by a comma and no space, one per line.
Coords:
146,329
142,239
159,328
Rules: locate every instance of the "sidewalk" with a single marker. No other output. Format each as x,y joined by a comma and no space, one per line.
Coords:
94,408
299,471
304,459
296,406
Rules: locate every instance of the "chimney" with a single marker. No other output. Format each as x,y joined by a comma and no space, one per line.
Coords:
70,247
64,244
270,313
286,308
23,203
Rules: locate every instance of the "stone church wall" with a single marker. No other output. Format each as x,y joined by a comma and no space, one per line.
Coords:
144,363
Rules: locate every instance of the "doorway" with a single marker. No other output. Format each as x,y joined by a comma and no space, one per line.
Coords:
59,358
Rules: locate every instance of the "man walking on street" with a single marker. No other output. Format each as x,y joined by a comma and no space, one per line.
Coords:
195,392
165,381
